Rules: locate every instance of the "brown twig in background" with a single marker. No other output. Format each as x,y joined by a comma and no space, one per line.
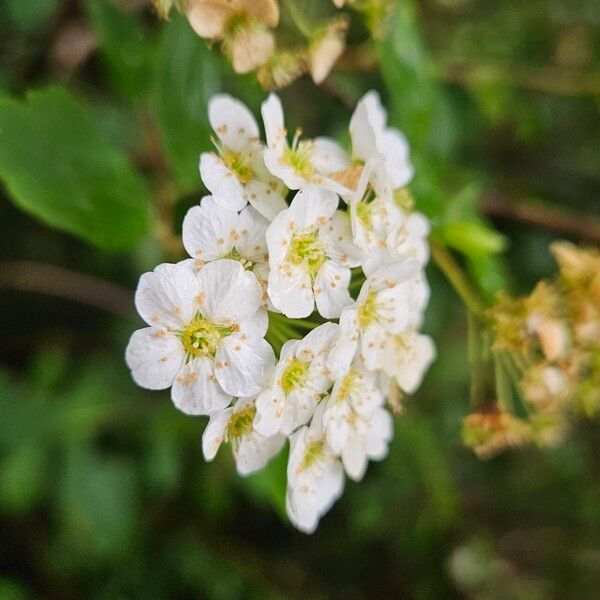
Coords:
540,214
59,282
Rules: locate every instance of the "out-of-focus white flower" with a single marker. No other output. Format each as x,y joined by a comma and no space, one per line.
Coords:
211,232
298,381
236,174
310,256
242,25
386,147
390,301
251,450
315,477
407,356
306,162
205,337
326,48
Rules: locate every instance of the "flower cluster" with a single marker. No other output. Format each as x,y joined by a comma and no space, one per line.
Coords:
549,345
297,236
245,30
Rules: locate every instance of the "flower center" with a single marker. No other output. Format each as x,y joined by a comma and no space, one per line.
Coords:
348,385
294,376
367,312
202,338
240,163
308,250
241,423
245,262
313,452
298,156
364,212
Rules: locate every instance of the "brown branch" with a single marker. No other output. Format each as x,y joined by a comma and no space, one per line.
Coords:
62,283
540,214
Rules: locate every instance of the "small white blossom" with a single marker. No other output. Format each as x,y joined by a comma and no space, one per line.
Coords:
386,147
251,450
310,256
315,477
236,174
390,301
297,383
211,232
205,337
407,356
306,162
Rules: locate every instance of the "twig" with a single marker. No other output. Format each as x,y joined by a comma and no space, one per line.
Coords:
62,283
540,214
456,276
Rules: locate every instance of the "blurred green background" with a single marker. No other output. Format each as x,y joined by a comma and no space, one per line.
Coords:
103,490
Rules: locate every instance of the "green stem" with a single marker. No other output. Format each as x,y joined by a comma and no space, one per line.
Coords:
297,19
457,277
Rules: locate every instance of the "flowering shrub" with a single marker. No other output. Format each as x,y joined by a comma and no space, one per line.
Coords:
293,320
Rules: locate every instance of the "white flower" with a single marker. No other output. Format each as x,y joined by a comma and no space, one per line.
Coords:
211,232
305,162
407,356
251,450
237,174
205,336
298,381
388,233
390,301
385,146
310,255
315,477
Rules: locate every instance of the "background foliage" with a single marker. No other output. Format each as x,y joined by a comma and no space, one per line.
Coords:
103,490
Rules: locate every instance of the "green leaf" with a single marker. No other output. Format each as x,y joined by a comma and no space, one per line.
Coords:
124,48
472,238
22,475
57,166
29,16
188,76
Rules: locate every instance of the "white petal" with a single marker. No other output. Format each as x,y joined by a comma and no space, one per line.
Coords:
241,365
254,451
344,349
251,230
305,520
208,19
372,345
281,170
355,459
311,207
394,147
154,357
381,432
233,122
328,156
266,197
269,413
196,391
337,234
362,128
256,325
222,182
291,292
166,297
272,114
320,340
209,231
331,289
408,359
228,293
215,432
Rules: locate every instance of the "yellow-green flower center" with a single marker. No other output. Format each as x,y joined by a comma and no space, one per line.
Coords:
298,156
245,262
294,376
241,423
347,385
367,312
240,163
202,337
307,250
364,212
313,452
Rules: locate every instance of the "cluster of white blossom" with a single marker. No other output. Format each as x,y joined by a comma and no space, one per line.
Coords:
253,254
